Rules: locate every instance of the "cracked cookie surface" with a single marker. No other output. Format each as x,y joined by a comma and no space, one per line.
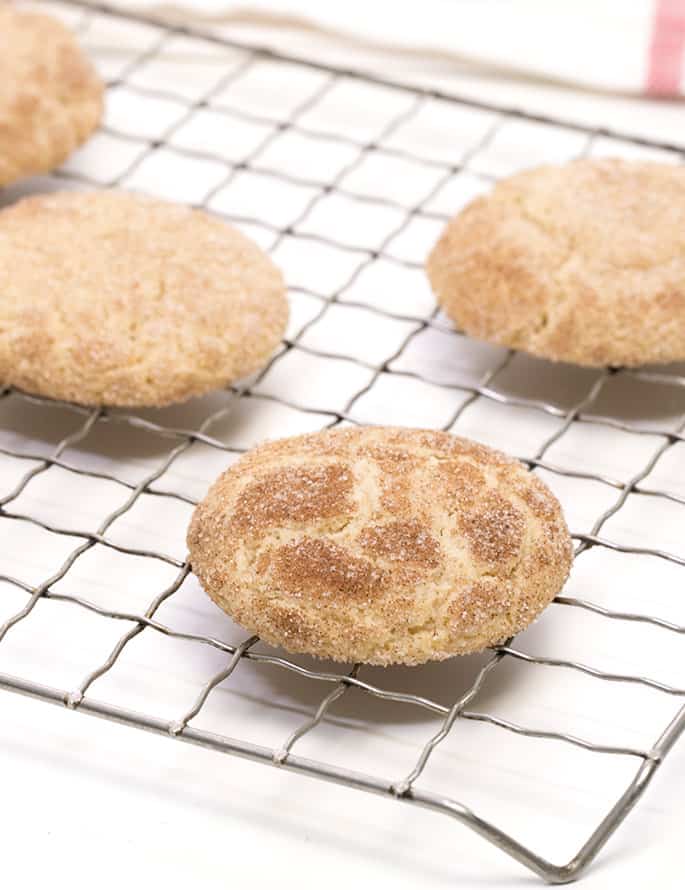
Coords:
114,299
50,94
582,263
380,545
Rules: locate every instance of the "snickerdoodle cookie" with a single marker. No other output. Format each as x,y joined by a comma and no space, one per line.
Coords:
581,263
50,95
114,299
380,545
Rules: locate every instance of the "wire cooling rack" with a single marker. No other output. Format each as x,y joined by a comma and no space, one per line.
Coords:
350,226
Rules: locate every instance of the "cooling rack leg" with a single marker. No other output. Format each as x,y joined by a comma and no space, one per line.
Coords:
625,803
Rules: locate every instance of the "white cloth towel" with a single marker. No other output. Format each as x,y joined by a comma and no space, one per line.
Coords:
605,45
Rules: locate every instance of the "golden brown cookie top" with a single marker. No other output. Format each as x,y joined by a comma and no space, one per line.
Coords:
116,299
380,544
582,263
50,94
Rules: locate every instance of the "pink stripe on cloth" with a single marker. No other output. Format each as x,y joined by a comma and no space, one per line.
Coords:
666,48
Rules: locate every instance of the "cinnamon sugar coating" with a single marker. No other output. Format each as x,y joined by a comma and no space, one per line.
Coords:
114,299
50,94
581,263
380,545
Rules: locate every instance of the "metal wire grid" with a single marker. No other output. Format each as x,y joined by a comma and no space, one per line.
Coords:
404,790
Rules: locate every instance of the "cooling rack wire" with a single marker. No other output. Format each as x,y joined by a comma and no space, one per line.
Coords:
161,137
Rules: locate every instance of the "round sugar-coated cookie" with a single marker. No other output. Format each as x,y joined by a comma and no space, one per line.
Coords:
380,545
581,263
114,299
50,94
